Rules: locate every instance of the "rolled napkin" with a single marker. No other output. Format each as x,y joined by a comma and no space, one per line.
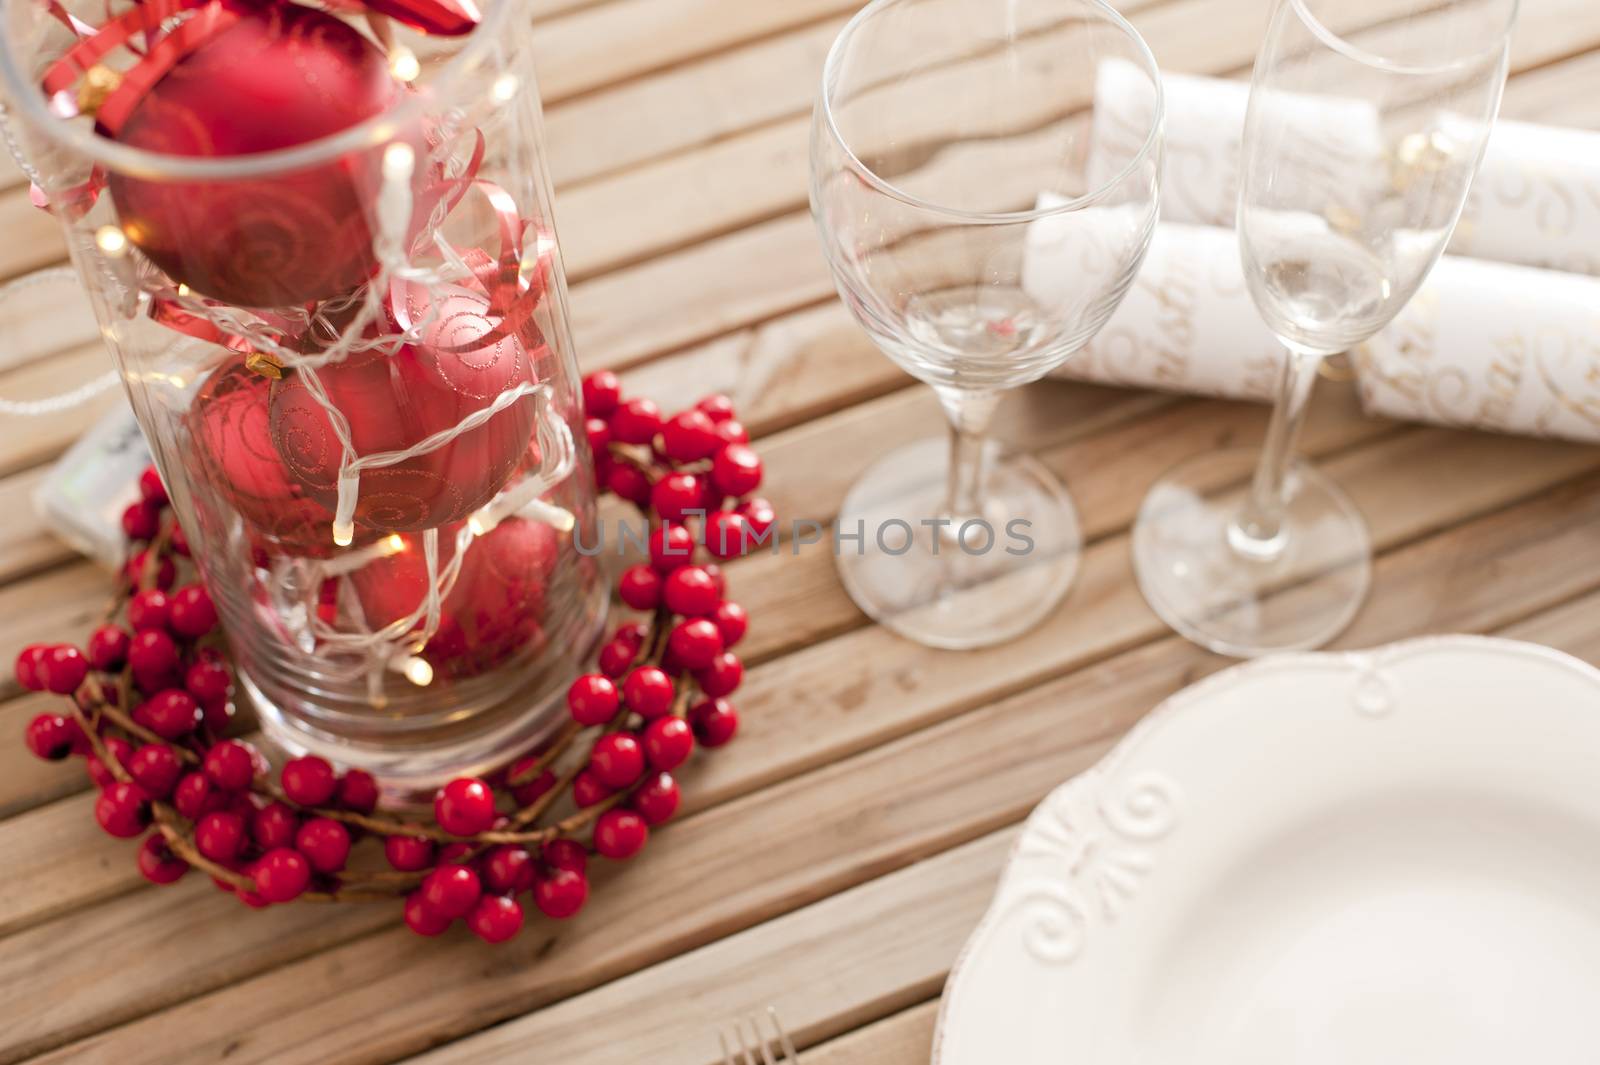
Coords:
1482,345
1535,201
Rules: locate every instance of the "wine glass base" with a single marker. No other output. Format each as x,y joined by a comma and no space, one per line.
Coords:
1201,585
943,587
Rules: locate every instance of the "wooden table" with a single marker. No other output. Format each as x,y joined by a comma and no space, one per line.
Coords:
832,862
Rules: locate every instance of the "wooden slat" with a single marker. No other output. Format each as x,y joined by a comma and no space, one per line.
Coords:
850,821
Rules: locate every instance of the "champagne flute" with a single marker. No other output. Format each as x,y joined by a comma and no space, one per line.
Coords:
1337,230
979,241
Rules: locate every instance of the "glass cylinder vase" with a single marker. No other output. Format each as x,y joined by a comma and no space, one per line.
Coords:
320,248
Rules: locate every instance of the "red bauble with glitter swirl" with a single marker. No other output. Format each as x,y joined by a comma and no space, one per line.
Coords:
280,77
495,608
463,363
233,454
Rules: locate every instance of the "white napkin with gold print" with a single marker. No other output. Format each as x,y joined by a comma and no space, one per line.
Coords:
1482,344
1535,201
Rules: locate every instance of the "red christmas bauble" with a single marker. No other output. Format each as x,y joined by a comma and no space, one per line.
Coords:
233,453
495,607
392,402
282,76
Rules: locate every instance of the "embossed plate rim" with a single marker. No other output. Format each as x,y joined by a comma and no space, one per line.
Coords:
1087,789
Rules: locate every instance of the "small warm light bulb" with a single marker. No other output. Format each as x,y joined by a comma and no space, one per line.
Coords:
344,533
183,290
403,64
111,240
504,88
398,160
418,672
479,524
393,544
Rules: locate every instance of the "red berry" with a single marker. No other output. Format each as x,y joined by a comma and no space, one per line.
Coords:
108,647
602,391
640,587
628,483
308,780
152,488
63,668
141,520
668,742
495,918
507,869
636,422
616,657
598,430
153,657
422,920
592,699
193,613
156,861
759,516
565,854
717,406
219,835
696,642
464,807
29,661
281,874
195,796
162,570
588,789
714,722
648,691
561,894
409,854
179,540
458,853
689,436
617,760
732,621
217,714
123,810
116,748
274,825
357,792
156,768
657,799
451,890
51,737
620,834
727,534
325,843
671,546
736,470
631,633
169,713
149,609
231,765
732,432
691,591
722,677
534,788
208,682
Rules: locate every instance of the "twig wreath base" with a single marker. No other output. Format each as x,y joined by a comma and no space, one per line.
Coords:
149,709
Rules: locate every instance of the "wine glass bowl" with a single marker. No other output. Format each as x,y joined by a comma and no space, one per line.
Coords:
1363,133
979,239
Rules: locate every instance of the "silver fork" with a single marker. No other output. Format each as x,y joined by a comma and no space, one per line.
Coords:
758,1043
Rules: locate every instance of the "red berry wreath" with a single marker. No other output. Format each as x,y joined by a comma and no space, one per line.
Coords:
149,710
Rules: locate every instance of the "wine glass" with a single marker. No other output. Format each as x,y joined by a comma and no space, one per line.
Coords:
1338,229
978,239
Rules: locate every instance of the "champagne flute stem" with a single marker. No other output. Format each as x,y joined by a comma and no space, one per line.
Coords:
1259,533
970,414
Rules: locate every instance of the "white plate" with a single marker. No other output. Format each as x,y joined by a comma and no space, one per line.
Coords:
1356,859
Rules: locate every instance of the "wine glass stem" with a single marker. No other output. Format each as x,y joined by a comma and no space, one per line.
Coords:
969,413
1259,532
